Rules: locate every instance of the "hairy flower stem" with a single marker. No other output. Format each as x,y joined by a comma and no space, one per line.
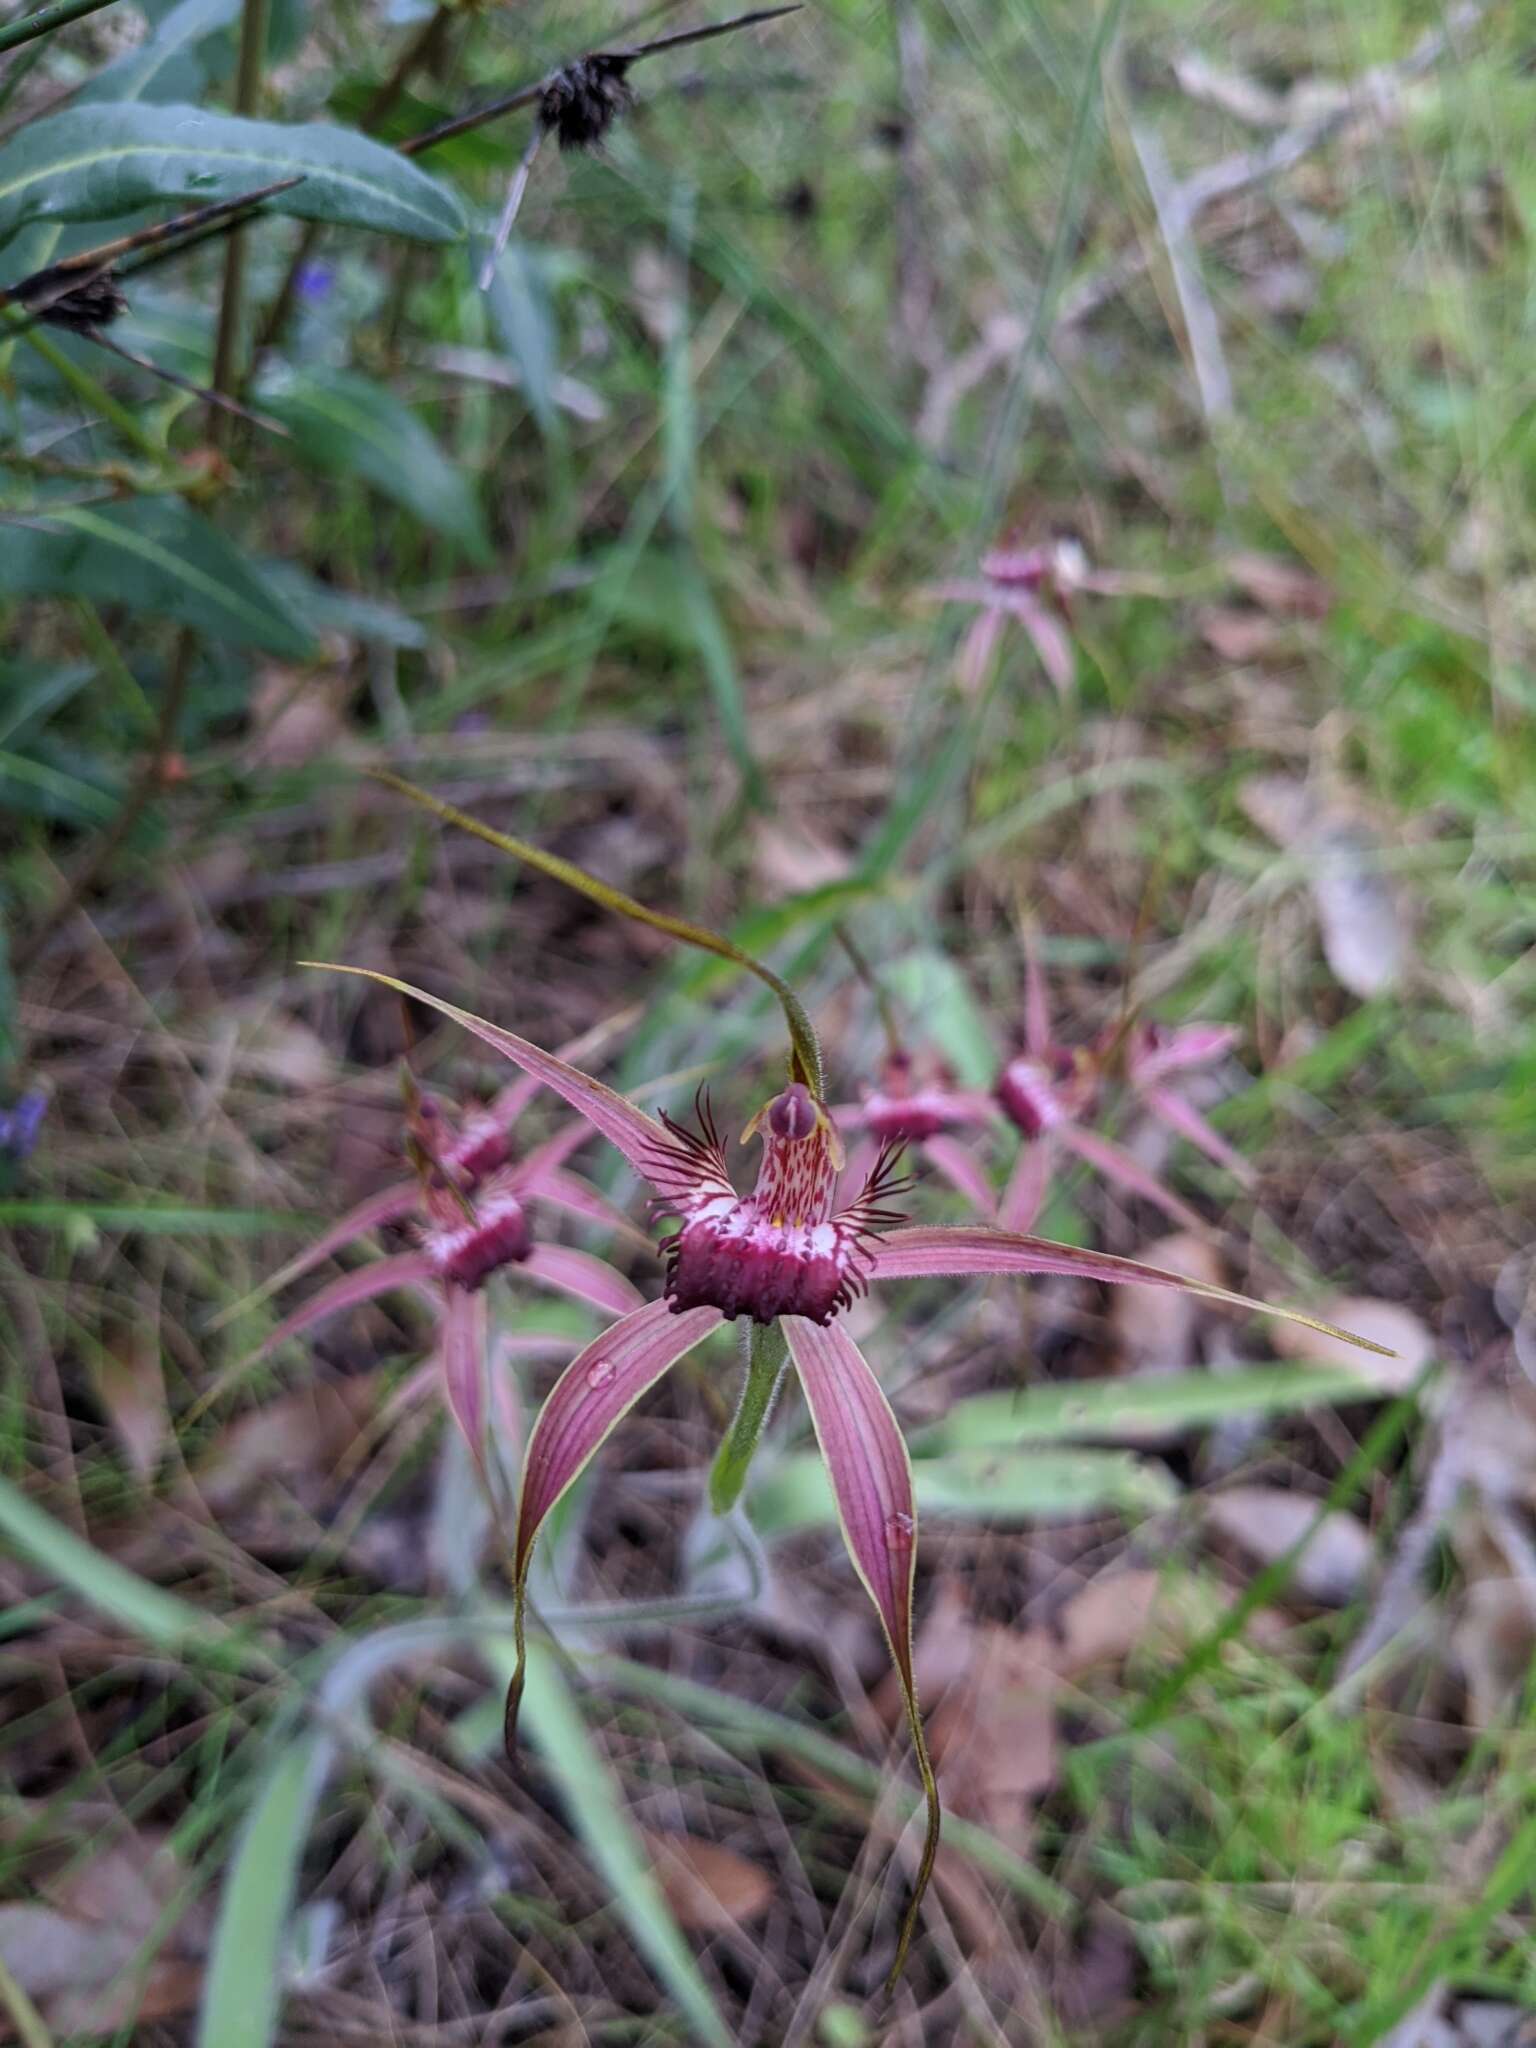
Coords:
767,1357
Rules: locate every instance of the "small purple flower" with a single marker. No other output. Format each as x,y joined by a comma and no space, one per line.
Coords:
20,1124
314,282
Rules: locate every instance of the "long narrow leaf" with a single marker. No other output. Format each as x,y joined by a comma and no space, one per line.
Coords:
555,1725
242,1993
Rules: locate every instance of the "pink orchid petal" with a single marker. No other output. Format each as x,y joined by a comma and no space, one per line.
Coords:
860,1165
1024,1196
963,1170
528,1175
389,1205
922,1251
977,649
408,1269
461,1353
1118,1165
1196,1045
577,1197
1053,645
639,1137
579,1273
596,1390
871,1474
960,590
1037,1004
509,1103
1184,1118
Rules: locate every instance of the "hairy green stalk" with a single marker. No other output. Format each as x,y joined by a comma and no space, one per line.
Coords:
767,1356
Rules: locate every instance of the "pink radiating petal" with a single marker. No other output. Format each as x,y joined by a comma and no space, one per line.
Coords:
643,1141
595,1391
1024,1196
855,1175
528,1177
871,1474
1184,1118
977,649
389,1205
508,1103
578,1273
1037,1004
1053,645
848,1116
914,1253
1197,1045
461,1351
568,1191
963,1170
409,1269
1129,1173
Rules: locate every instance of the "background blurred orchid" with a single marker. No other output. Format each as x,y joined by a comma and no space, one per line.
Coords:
1049,1090
917,1102
469,1205
1033,585
790,1260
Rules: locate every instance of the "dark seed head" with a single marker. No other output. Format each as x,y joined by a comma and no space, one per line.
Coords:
96,302
581,103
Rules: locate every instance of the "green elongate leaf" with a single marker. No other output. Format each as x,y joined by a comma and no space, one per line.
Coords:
1101,1409
152,555
341,421
977,1485
164,65
94,163
145,1610
154,1219
552,1718
242,1994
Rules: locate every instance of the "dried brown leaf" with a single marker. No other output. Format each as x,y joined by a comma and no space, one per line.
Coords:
128,1381
710,1889
1157,1330
1265,1521
1365,940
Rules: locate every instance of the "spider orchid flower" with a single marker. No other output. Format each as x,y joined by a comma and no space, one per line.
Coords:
917,1102
1033,585
470,1207
1049,1090
791,1260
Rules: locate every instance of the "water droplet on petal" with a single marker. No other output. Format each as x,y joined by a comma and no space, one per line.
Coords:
600,1372
899,1531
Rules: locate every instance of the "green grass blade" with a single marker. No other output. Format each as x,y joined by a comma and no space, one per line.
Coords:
145,1610
552,1717
242,1994
1118,1408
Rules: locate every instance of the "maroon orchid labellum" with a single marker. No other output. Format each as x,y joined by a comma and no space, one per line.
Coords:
789,1259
